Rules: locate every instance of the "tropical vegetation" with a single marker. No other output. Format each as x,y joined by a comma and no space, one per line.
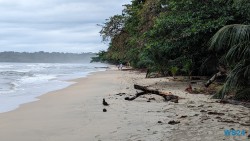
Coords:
183,37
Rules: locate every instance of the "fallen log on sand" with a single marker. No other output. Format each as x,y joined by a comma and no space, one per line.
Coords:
146,90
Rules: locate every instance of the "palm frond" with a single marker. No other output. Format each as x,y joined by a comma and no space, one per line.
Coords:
238,52
239,75
234,41
238,79
229,35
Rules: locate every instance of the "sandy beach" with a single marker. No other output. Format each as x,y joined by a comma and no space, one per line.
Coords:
76,113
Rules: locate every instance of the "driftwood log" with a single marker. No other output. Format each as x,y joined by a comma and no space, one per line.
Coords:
146,90
222,72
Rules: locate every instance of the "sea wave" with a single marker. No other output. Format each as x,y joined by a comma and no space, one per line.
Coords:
16,73
23,82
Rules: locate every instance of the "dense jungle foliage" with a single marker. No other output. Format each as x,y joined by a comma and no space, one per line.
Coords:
179,37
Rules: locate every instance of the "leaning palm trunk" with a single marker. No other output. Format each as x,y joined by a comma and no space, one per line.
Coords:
222,72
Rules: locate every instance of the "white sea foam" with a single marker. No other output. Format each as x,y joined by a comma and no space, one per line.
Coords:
24,82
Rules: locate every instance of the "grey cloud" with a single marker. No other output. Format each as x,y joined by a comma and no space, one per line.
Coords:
54,25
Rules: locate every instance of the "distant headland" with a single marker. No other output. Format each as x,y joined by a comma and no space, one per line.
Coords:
45,57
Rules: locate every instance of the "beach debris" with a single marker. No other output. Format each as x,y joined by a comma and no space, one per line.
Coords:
227,121
196,115
245,124
173,122
200,105
127,98
215,113
104,110
174,100
104,102
248,122
192,90
183,116
146,90
203,111
159,121
121,94
222,73
189,89
151,98
218,117
190,106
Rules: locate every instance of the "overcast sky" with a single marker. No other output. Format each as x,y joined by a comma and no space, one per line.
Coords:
55,25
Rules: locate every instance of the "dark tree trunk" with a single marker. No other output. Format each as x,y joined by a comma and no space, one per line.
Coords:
222,72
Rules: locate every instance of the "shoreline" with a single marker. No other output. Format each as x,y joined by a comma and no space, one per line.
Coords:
34,116
76,113
58,83
40,97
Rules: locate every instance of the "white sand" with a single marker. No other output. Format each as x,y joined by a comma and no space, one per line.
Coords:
76,113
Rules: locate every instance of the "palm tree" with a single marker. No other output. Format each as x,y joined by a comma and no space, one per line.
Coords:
234,41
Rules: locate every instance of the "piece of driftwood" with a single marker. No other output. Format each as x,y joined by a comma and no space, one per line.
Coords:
227,121
215,113
222,72
146,90
134,97
173,122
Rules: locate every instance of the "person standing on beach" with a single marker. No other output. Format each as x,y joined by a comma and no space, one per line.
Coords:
120,66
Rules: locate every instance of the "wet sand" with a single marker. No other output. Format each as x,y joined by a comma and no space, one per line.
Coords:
76,113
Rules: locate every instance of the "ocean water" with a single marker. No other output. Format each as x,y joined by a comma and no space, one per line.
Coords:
23,82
